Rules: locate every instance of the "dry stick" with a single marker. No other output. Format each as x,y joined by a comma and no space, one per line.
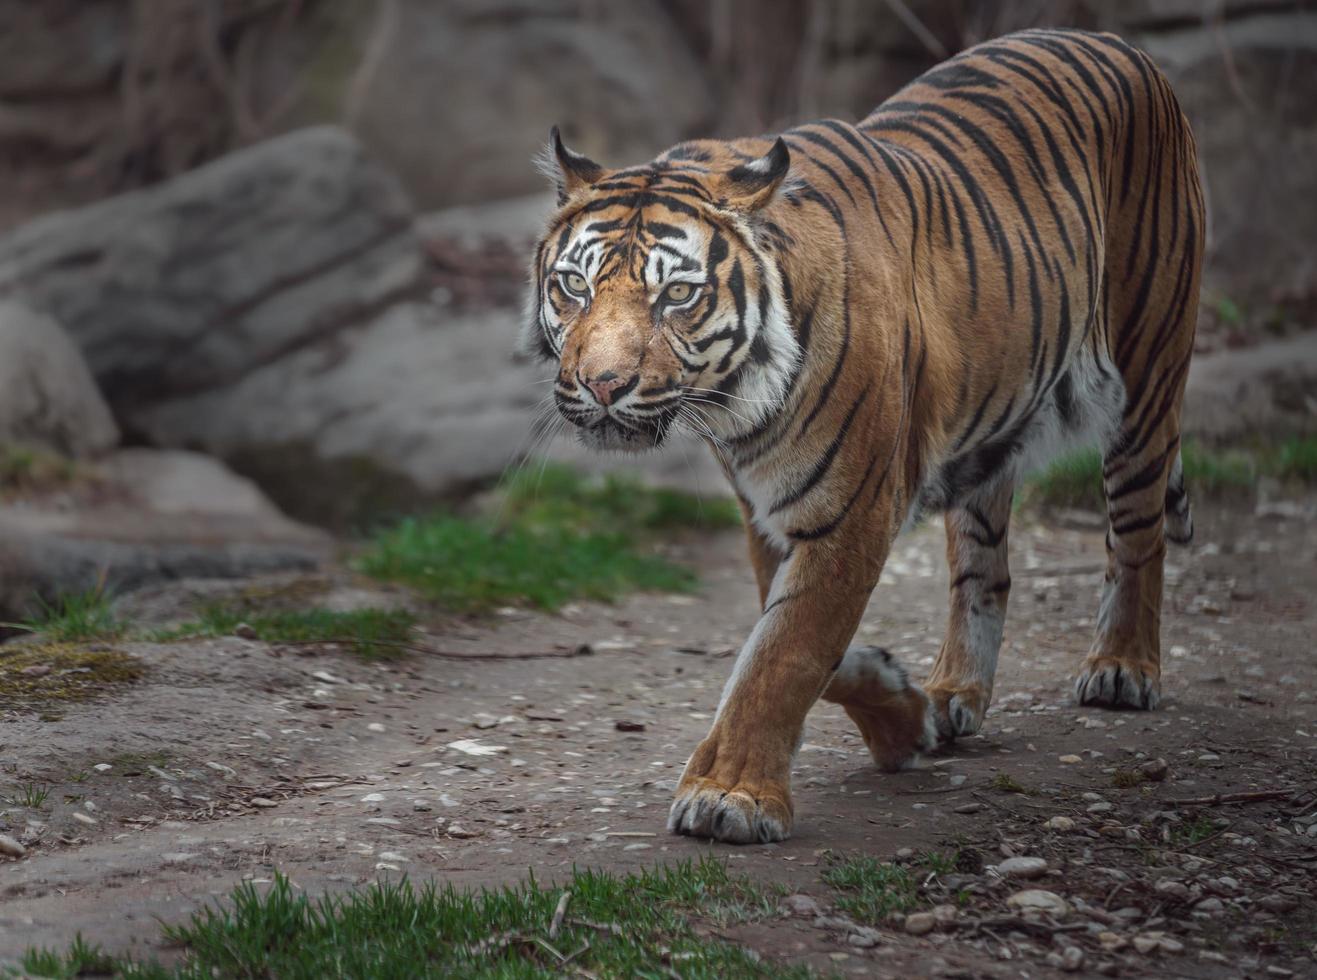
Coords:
612,928
584,650
558,913
1220,798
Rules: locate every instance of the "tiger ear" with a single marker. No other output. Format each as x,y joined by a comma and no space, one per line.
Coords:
749,186
569,171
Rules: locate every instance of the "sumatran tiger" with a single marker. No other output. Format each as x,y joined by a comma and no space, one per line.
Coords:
868,322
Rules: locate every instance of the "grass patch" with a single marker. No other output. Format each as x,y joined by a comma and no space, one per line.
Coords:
555,536
373,634
1193,831
871,890
1003,783
43,672
1075,480
24,470
1127,778
30,795
639,925
79,617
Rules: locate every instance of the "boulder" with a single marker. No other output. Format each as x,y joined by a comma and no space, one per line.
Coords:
141,516
191,284
1254,392
48,398
458,97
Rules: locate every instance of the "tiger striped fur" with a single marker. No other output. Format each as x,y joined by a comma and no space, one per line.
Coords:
869,322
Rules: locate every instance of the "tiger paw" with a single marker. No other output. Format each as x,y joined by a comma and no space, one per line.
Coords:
737,807
1118,682
898,731
958,710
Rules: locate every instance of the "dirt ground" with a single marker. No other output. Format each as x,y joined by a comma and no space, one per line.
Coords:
233,759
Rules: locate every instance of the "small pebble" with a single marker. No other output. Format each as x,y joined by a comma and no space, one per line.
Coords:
801,905
1069,760
920,923
264,802
1063,824
245,631
1023,867
457,830
11,847
1037,899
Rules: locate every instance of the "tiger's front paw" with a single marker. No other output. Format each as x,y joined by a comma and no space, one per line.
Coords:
733,798
958,710
1118,682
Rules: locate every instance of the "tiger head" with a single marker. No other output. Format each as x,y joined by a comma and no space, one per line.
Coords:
656,291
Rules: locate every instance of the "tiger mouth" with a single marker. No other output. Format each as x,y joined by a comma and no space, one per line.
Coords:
610,433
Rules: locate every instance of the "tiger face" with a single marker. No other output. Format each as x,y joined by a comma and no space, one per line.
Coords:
659,302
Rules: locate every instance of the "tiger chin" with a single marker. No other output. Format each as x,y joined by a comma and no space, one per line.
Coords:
870,321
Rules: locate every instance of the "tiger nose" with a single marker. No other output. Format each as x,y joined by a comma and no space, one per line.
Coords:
606,386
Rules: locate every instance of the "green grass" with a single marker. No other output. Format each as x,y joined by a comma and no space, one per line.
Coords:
30,795
555,536
23,469
79,617
1193,831
1003,783
871,890
369,633
1075,480
640,925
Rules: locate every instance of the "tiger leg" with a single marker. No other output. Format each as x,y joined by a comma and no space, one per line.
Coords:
764,555
960,683
736,786
1123,670
894,716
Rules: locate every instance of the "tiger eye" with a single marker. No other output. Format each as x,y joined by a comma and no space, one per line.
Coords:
576,284
678,292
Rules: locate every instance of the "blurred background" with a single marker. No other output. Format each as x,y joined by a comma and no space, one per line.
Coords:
264,259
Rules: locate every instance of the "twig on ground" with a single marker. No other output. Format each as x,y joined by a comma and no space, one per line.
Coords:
1257,796
556,924
584,650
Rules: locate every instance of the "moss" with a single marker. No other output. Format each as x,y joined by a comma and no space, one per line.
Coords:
76,673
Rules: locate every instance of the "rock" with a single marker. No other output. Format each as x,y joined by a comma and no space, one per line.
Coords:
1070,959
1023,867
1069,760
621,79
1210,905
48,398
460,832
1275,902
196,281
1146,944
1154,770
920,923
1039,900
628,725
245,631
1059,823
10,847
86,818
804,905
151,516
969,808
864,938
1172,889
945,915
1100,808
1112,942
263,802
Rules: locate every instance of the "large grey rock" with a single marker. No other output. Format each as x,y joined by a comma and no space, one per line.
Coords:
1249,88
48,398
1254,392
143,516
461,95
191,284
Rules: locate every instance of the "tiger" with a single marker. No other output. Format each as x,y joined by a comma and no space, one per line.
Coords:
869,322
